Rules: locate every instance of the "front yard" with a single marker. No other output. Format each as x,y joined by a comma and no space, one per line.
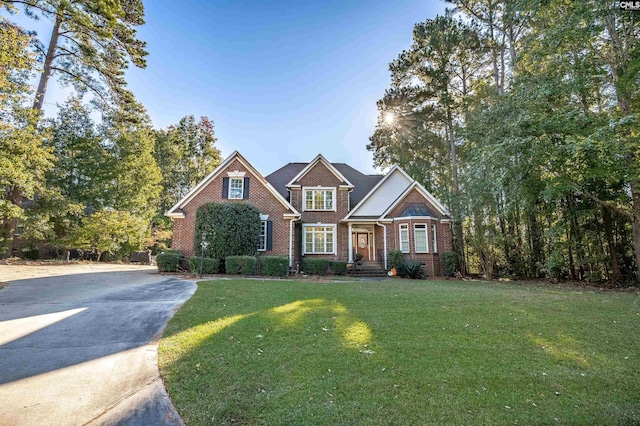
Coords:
403,352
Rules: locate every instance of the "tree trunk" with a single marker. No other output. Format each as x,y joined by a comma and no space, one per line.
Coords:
635,193
457,222
48,62
572,265
607,221
9,226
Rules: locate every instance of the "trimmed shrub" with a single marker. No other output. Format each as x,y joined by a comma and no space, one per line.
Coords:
209,266
168,262
240,265
449,263
338,268
396,259
274,266
315,266
172,251
230,229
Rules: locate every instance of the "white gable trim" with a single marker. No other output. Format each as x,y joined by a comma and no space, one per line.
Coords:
389,173
332,169
173,211
422,190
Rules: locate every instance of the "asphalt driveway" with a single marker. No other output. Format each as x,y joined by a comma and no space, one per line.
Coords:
78,344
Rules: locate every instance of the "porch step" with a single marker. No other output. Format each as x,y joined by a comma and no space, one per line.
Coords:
367,269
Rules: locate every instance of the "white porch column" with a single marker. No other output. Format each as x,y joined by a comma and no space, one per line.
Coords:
350,243
384,235
291,243
384,242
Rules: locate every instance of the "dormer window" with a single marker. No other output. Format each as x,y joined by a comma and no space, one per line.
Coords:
319,199
236,188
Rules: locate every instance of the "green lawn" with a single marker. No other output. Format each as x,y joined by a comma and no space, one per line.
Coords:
403,352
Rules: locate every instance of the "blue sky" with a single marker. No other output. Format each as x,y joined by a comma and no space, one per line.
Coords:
282,80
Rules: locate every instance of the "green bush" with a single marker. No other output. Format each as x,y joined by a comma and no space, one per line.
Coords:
414,270
555,266
31,253
172,251
396,259
315,266
338,268
236,265
209,266
449,263
229,229
168,262
274,266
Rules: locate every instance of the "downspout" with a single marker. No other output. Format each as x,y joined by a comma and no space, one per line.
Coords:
384,239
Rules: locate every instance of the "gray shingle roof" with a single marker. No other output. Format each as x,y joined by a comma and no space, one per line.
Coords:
362,183
417,209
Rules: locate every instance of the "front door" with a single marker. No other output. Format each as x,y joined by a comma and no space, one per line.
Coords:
362,241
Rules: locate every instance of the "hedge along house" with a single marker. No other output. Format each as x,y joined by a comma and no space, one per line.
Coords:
325,210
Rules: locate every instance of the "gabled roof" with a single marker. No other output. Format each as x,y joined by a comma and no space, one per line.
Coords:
362,183
320,159
281,177
417,209
422,190
176,210
380,182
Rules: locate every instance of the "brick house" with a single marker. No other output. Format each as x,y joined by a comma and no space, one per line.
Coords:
327,210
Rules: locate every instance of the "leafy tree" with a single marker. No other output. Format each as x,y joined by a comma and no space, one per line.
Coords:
546,131
110,231
185,153
85,166
137,177
23,159
431,85
230,229
91,44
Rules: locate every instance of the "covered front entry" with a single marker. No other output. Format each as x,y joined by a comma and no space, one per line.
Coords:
362,241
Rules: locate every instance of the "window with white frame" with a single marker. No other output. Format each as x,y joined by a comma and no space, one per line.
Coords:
236,187
420,238
319,199
434,239
319,239
404,238
262,239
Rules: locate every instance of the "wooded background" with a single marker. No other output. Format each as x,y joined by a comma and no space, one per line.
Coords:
520,115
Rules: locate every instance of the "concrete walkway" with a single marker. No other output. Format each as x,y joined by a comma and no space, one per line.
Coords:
78,344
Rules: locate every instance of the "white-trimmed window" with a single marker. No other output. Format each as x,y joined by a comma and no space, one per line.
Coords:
236,188
319,199
434,239
404,238
262,239
420,238
319,239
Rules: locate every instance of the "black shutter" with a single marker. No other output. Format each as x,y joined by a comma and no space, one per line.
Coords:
269,235
245,190
225,187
